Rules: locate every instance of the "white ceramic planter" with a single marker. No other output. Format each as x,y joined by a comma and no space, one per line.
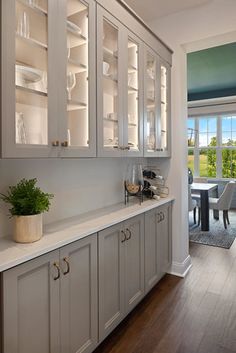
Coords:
28,229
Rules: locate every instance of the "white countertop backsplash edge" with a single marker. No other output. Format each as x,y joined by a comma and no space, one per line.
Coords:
66,231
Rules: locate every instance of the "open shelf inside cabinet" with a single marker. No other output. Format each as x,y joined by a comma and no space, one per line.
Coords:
110,120
31,97
39,8
109,55
110,86
75,105
75,66
32,22
132,90
132,69
31,53
74,6
75,39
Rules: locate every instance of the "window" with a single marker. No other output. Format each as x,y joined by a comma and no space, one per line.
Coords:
212,146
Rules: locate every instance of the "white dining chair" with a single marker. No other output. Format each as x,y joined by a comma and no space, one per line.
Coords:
192,204
223,203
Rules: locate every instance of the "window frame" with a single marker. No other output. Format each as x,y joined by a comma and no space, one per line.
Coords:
219,147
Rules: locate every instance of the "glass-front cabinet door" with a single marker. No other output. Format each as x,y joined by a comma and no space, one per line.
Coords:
156,105
26,89
48,78
151,102
119,90
133,122
164,121
109,84
77,125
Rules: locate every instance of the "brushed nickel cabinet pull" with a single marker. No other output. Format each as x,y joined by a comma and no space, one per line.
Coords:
124,239
129,232
127,148
162,216
55,143
64,144
66,260
158,218
58,271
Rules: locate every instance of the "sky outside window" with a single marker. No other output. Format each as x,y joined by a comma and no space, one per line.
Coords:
207,131
228,126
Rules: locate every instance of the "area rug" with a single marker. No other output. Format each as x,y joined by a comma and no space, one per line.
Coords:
217,236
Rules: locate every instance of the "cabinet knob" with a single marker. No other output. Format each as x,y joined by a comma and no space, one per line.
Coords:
127,148
64,144
56,265
124,239
129,233
159,149
55,143
66,261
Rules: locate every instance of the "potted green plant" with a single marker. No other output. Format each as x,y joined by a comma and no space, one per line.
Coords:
27,202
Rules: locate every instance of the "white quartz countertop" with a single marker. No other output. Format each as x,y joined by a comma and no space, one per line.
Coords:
71,229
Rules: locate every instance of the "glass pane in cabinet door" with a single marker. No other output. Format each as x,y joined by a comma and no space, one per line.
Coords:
163,108
110,86
151,102
31,67
133,94
77,74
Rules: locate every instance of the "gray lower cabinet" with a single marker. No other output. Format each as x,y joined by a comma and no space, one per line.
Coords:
157,244
31,305
50,303
121,272
55,303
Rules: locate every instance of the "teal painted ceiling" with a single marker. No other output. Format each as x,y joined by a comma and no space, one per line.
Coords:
212,72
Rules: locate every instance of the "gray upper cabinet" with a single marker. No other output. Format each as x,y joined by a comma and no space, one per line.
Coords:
29,103
121,272
164,126
79,79
119,88
77,92
48,74
157,125
50,304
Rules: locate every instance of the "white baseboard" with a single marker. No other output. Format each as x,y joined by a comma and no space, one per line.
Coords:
180,269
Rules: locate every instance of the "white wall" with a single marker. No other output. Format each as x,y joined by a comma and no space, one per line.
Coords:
79,185
198,28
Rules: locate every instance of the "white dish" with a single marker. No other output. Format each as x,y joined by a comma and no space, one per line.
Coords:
73,27
25,75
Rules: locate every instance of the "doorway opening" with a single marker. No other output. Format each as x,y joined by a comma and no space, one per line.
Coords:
211,143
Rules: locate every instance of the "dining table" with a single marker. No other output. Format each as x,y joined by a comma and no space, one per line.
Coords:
203,189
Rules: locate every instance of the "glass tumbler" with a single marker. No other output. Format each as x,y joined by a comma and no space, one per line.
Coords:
23,26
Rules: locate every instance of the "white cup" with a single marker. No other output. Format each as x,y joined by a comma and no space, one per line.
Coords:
105,68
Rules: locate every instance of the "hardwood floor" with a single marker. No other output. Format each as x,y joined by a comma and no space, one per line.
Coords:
192,315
